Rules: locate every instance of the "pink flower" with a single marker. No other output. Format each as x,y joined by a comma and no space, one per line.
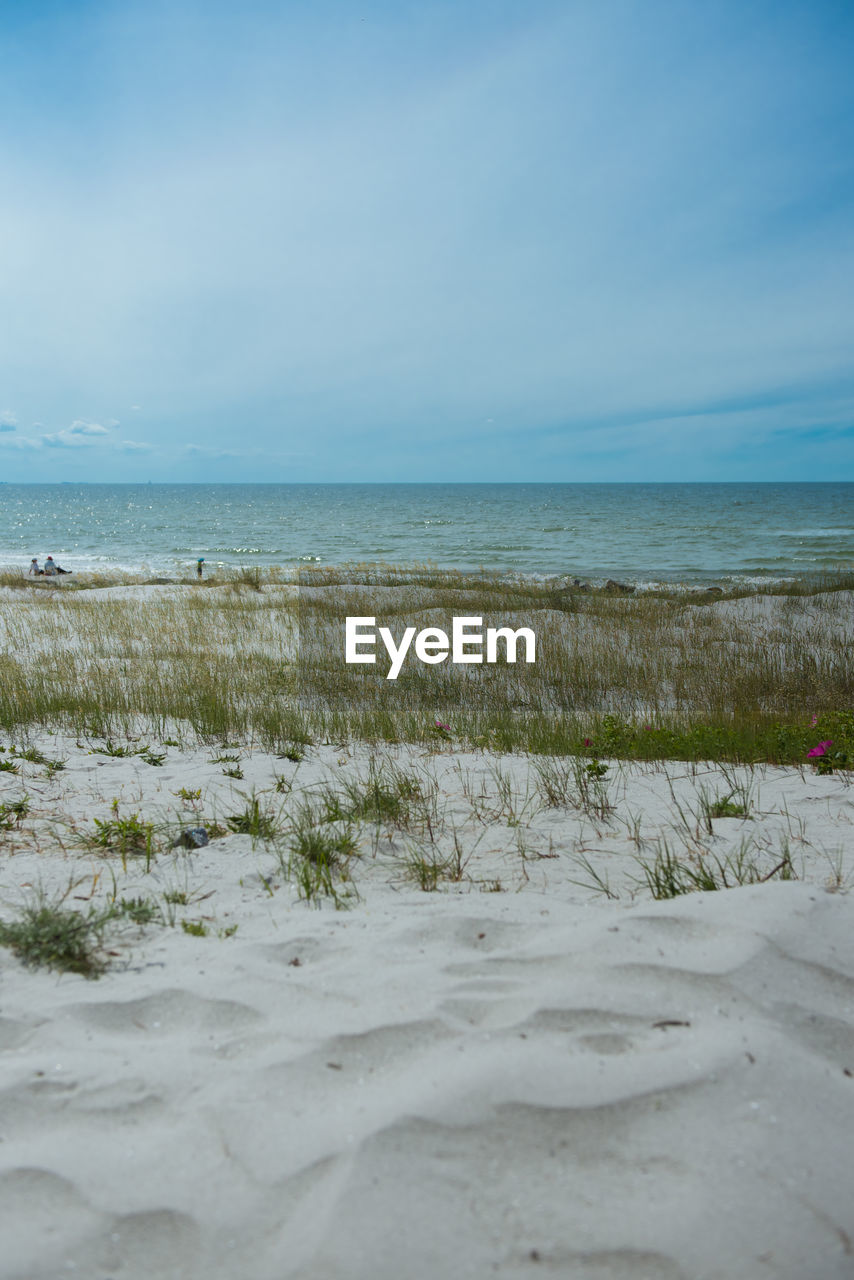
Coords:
814,720
648,728
587,742
446,728
820,749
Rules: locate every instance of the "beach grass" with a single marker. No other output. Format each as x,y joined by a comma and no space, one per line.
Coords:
47,934
646,676
669,875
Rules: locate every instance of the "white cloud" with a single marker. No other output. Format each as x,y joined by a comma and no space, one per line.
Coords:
8,420
81,428
78,434
133,446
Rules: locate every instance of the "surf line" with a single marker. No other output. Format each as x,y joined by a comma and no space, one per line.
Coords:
466,643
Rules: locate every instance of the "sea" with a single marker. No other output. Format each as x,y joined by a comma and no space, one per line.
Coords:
645,534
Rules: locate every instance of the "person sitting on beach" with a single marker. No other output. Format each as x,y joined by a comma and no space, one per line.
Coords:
51,567
35,571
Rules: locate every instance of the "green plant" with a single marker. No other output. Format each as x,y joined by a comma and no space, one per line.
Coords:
13,812
234,772
323,846
389,794
317,855
140,910
657,676
48,934
591,788
176,897
596,769
555,779
594,879
830,760
722,807
260,824
152,757
33,755
669,876
572,783
735,803
130,837
195,927
191,797
633,824
427,868
8,766
511,807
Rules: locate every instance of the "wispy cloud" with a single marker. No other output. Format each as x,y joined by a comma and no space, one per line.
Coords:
8,420
81,428
78,435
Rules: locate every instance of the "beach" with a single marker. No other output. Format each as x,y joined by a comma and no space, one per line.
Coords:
426,634
460,1031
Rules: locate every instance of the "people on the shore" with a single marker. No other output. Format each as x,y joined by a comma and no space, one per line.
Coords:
51,568
199,563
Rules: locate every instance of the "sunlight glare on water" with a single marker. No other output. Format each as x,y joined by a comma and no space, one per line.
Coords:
641,533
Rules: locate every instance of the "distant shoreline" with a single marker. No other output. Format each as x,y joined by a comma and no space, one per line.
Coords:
726,583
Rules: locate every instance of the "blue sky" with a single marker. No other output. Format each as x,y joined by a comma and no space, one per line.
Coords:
442,241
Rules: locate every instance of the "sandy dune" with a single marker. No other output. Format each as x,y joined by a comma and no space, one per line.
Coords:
527,1082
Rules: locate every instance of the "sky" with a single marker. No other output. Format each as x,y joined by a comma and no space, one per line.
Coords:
497,240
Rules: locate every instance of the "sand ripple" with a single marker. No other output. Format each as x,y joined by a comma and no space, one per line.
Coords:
662,1092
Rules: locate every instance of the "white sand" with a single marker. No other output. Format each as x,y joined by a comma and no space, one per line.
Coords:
536,1081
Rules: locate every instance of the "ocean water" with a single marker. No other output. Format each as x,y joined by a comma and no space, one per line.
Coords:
642,533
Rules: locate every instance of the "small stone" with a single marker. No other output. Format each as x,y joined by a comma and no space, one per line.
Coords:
192,838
